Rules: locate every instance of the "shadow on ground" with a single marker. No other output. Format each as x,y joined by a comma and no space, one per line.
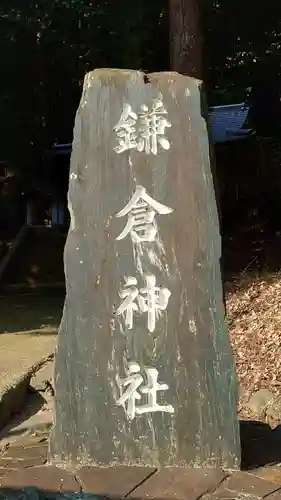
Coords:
31,312
36,494
38,258
260,444
250,249
34,403
260,447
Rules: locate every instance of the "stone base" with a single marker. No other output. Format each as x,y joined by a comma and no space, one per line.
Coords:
25,475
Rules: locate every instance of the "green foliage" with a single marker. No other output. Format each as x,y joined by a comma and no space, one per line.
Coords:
243,40
47,47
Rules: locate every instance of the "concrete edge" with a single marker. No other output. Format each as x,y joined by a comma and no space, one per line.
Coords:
13,395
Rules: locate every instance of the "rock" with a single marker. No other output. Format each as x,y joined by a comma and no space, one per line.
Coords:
259,401
242,399
43,378
242,392
144,293
273,412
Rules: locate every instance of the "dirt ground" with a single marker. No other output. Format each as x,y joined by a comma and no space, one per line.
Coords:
38,260
31,312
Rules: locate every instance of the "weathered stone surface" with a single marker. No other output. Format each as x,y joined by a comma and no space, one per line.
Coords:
70,496
189,344
46,478
248,485
29,441
274,496
112,482
5,470
273,411
179,484
23,452
24,456
272,474
259,401
43,378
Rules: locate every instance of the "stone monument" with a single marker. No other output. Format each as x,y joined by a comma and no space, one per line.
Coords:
144,370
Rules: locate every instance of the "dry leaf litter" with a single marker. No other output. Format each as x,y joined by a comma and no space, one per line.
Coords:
254,321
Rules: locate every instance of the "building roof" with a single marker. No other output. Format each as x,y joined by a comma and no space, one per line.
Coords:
62,149
226,124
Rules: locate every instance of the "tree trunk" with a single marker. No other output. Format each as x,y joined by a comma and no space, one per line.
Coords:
186,42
